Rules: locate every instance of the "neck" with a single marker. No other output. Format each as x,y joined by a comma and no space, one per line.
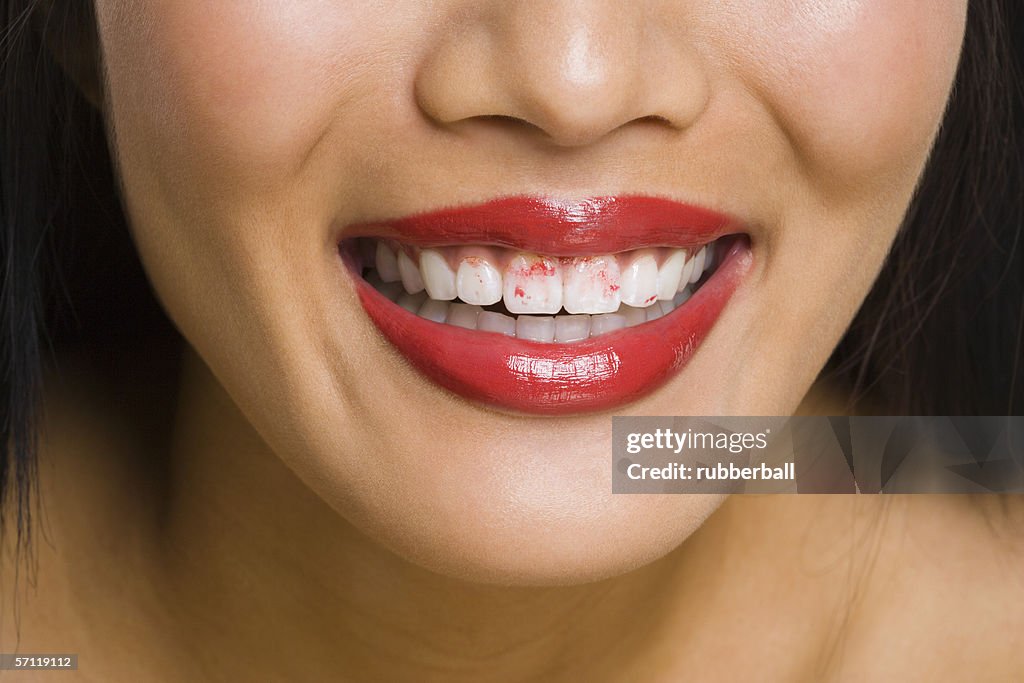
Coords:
254,563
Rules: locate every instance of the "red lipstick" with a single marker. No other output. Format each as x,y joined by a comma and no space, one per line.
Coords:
600,373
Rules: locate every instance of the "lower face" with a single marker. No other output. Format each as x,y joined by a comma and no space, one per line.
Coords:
428,282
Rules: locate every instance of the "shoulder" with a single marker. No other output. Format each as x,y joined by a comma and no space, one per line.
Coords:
942,594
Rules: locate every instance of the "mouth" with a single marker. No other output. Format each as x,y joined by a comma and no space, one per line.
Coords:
549,307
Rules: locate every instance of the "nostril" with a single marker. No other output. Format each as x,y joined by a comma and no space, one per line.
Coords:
505,120
510,122
564,133
656,119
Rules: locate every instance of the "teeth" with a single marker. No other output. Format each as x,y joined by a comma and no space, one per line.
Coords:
609,322
535,328
463,315
591,285
698,266
478,282
411,279
639,283
438,278
684,277
533,284
434,310
633,316
577,297
670,274
387,264
496,322
570,328
412,302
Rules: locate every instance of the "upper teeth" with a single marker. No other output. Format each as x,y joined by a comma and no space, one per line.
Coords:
591,285
407,270
639,280
531,283
478,282
438,278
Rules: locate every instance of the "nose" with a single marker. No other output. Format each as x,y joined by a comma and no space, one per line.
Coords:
572,71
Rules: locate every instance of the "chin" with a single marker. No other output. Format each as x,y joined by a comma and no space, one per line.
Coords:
529,525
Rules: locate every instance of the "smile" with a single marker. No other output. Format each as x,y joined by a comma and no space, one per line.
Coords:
549,307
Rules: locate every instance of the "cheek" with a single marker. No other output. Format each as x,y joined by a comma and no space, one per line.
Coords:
849,95
859,86
233,92
217,109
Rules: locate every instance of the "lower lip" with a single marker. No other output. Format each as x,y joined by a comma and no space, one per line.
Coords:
597,374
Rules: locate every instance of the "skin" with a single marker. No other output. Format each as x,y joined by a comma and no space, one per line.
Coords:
264,130
324,509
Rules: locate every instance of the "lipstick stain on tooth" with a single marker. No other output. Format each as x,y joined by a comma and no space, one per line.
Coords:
542,267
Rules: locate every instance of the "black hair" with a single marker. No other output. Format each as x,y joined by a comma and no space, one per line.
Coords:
940,333
71,276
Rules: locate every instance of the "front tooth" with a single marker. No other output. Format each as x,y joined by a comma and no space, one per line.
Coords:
698,266
387,264
438,278
670,273
570,328
535,328
532,284
411,279
639,281
478,282
489,321
591,285
654,312
463,315
682,297
434,310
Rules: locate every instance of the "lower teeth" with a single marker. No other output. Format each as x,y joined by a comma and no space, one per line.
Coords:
559,328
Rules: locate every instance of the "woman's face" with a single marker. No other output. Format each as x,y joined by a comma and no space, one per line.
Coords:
257,141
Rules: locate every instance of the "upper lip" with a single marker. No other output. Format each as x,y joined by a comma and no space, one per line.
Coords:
559,227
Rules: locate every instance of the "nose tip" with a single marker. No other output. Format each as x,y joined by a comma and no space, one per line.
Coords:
573,76
578,95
